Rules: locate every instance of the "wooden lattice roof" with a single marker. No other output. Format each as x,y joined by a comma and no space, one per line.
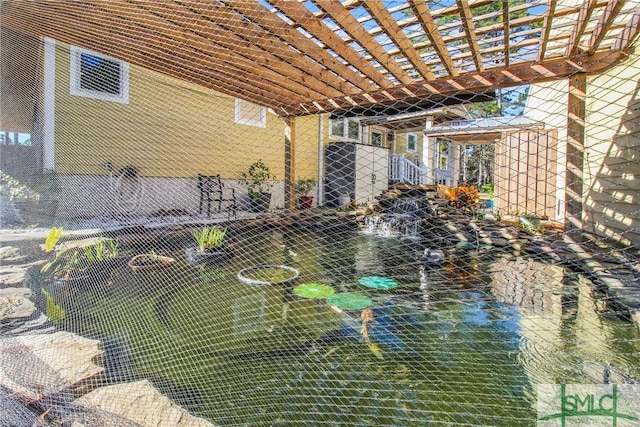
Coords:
305,57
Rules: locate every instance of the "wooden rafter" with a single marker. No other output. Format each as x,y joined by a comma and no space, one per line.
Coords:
505,32
604,23
260,16
303,17
389,25
350,24
628,34
230,28
172,21
583,20
473,82
423,14
546,29
405,55
469,29
142,46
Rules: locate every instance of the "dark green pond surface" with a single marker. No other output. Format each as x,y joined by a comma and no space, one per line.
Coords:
464,343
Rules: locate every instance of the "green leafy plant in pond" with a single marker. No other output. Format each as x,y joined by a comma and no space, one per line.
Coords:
377,282
50,244
313,290
258,179
350,301
54,311
209,238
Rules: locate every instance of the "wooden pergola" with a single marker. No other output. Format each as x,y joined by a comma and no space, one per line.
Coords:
366,57
301,58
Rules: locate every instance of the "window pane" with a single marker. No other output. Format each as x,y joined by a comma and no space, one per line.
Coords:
412,142
376,139
99,74
249,112
444,164
337,128
354,130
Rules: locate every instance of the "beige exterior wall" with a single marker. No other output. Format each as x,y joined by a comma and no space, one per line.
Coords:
547,102
611,146
169,128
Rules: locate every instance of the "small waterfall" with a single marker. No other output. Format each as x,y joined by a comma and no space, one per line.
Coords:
403,221
406,206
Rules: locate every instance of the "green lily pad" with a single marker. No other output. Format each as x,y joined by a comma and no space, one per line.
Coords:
313,290
377,282
350,301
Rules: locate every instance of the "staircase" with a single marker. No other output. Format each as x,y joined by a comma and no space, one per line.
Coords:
404,170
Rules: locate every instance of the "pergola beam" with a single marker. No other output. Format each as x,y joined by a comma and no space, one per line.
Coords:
291,59
476,82
583,20
390,27
297,13
260,16
628,34
177,61
546,29
348,23
505,32
604,23
174,22
423,14
469,29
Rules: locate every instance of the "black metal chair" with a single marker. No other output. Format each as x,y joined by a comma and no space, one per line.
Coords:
212,190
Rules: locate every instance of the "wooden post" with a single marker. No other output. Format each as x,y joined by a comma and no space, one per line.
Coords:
575,154
289,164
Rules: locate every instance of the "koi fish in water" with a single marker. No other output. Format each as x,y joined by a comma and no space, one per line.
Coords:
367,318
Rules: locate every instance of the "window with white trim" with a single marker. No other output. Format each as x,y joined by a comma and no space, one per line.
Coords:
250,114
93,75
443,155
412,142
376,139
345,129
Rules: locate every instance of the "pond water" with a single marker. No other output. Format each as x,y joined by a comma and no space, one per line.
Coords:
464,343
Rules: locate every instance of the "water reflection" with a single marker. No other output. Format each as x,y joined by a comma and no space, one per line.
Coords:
462,343
563,337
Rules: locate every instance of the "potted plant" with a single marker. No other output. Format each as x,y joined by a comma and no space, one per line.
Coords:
302,188
259,180
211,246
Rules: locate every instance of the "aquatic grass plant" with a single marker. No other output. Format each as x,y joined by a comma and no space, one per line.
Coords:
209,238
103,249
